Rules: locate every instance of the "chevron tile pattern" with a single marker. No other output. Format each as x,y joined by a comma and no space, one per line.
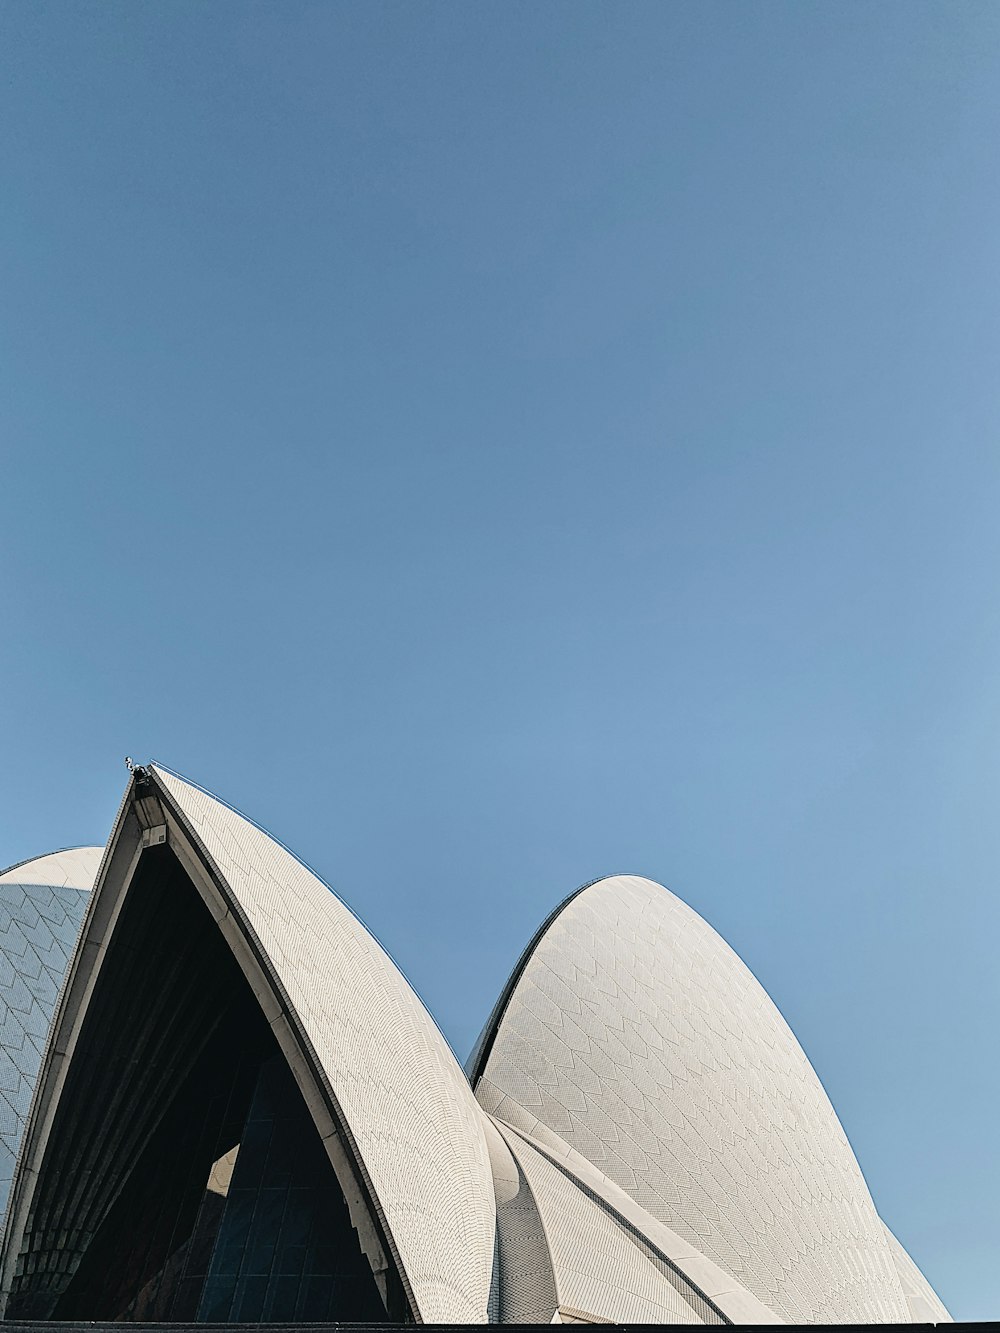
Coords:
637,1035
42,903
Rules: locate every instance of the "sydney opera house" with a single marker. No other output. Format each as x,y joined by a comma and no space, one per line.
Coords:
223,1103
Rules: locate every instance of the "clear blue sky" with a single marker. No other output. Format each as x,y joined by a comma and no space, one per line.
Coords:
496,445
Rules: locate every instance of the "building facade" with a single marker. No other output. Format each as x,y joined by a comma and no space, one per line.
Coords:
243,1113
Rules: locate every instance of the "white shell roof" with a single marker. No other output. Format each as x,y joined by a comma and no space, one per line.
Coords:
600,1274
407,1103
640,1038
704,1285
72,868
654,1107
42,902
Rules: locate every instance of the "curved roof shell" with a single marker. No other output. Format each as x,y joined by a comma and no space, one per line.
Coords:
600,1274
42,902
400,1090
380,1081
924,1304
647,1141
713,1294
71,868
636,1035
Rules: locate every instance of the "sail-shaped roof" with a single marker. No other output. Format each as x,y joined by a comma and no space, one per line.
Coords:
635,1034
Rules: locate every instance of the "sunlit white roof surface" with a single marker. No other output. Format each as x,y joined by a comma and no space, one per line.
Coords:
598,1271
72,868
41,906
638,1037
402,1092
924,1304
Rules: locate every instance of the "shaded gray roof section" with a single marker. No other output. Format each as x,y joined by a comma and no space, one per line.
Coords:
42,903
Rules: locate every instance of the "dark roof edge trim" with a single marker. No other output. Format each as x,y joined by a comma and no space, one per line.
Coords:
480,1053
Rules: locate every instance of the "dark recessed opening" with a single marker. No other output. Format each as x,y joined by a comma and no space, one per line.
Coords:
184,1179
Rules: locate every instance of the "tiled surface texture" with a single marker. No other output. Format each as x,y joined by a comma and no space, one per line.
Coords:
41,906
73,868
599,1271
417,1126
640,1038
689,1270
650,1143
924,1303
526,1289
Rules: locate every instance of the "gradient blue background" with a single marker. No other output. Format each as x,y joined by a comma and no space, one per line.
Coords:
496,445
